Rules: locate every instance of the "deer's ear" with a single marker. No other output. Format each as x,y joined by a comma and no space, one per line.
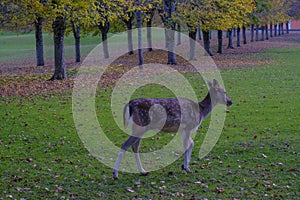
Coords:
215,83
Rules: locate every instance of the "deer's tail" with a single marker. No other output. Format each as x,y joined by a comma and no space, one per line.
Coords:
126,115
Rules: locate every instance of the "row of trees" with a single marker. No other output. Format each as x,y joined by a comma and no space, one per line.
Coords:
83,17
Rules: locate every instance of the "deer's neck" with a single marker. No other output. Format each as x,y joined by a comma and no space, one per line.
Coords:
205,106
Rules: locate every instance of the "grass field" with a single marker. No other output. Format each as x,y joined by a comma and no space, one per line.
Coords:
18,47
256,157
23,45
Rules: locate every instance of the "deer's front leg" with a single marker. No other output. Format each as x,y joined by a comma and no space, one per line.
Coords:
135,148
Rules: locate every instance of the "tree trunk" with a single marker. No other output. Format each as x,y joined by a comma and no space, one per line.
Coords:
169,8
256,33
199,33
206,41
178,35
59,28
262,33
275,30
230,44
279,30
238,36
220,41
104,28
267,32
149,34
192,38
39,45
271,30
149,29
244,35
129,35
252,33
170,35
76,33
140,39
287,27
282,28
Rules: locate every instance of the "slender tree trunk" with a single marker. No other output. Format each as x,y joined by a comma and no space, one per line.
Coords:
59,28
238,36
287,27
166,42
279,30
206,40
252,33
199,33
271,30
104,44
230,44
140,37
220,41
244,35
150,14
275,30
39,45
282,28
129,35
104,28
256,33
169,8
149,34
192,38
170,36
76,34
267,32
262,33
178,35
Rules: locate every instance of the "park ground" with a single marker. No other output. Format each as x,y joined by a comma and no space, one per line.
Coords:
256,157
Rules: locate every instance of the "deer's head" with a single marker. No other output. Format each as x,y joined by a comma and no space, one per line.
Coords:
218,93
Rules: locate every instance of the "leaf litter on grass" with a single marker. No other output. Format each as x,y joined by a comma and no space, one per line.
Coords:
22,79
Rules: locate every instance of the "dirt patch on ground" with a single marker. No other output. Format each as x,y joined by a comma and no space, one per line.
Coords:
23,78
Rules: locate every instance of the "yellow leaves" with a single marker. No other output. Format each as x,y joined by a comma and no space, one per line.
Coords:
215,14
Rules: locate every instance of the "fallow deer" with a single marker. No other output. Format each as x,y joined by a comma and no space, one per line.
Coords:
168,115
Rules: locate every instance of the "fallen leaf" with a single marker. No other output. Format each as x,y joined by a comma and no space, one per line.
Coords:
129,189
264,156
220,190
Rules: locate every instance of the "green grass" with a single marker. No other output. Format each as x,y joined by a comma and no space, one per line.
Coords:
256,157
23,45
19,47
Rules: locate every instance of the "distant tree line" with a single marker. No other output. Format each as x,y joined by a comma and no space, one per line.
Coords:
98,16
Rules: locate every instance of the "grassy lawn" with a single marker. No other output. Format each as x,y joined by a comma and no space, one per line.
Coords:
256,157
23,45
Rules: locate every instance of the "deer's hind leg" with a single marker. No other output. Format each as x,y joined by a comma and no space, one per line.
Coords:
134,141
188,144
129,142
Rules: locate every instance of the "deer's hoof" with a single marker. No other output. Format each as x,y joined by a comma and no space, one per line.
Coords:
187,169
115,175
145,173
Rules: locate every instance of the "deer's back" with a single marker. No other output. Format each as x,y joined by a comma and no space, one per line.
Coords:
172,111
